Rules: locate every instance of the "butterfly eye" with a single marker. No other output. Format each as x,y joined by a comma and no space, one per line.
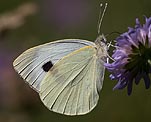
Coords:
47,66
104,41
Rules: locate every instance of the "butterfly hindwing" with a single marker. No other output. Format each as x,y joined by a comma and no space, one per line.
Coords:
34,63
72,86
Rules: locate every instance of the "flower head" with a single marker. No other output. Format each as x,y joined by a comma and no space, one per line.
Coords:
132,57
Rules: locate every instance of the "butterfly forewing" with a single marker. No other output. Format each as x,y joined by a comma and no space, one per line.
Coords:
71,86
32,64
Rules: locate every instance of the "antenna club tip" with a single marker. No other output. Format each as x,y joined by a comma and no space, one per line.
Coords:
101,4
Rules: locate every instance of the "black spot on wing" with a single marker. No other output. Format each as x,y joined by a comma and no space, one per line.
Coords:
47,66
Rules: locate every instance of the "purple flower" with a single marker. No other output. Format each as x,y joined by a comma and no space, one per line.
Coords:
132,57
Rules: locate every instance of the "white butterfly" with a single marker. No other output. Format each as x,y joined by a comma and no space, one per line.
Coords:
68,74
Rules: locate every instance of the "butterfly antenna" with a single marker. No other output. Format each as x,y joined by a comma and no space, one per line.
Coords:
101,15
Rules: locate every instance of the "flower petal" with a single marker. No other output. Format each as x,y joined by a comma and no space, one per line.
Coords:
146,80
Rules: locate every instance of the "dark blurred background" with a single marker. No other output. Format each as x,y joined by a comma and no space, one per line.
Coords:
27,23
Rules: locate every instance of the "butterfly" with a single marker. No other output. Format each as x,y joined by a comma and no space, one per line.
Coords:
68,74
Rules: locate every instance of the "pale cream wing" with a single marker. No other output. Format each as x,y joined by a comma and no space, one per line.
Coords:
30,63
72,86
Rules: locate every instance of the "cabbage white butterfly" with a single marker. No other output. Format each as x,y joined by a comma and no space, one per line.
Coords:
68,74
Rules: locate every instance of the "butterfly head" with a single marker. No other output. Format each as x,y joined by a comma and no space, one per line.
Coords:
102,48
101,41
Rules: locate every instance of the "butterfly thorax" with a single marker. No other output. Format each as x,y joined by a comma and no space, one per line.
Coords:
101,47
